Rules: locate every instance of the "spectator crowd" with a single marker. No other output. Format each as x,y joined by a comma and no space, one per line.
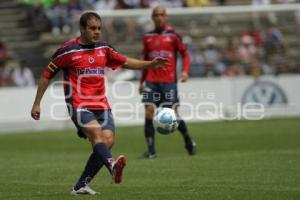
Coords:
254,52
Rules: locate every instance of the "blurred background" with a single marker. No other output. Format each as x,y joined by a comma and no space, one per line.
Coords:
242,51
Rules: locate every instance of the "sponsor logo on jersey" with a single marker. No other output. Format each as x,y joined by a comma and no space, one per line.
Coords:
76,57
91,59
100,54
167,39
91,71
165,54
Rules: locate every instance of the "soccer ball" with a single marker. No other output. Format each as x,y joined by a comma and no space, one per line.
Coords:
165,120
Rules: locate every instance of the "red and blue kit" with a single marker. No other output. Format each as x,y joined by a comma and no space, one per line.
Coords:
83,70
164,43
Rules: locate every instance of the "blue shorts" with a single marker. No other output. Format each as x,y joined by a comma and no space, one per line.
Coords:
160,94
84,116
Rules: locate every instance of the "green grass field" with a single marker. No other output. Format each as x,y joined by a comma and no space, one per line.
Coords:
239,160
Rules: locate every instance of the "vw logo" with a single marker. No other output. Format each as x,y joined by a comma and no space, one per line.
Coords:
264,92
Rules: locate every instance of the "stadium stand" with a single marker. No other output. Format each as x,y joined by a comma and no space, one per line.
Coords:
36,46
21,40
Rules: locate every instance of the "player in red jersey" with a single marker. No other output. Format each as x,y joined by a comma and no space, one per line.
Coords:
82,61
159,86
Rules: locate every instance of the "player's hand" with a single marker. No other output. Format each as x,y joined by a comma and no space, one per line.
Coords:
183,77
160,62
35,112
141,88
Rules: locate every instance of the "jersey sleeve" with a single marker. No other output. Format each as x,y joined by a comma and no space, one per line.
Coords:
143,76
57,62
50,71
144,54
114,59
186,61
144,51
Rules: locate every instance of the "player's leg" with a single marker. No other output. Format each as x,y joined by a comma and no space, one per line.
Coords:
105,118
92,167
101,140
171,99
94,133
149,131
94,163
99,157
151,98
107,136
190,145
117,166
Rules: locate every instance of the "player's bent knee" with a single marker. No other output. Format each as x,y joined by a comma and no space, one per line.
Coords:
93,132
109,138
109,141
94,140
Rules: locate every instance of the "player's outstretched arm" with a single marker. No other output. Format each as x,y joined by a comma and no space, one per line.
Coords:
42,86
136,64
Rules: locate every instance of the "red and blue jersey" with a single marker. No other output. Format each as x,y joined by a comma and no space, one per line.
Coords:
164,43
83,68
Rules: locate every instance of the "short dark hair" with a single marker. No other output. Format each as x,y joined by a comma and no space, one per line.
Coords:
87,16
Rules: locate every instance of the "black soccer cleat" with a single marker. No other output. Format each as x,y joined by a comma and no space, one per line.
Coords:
149,155
191,147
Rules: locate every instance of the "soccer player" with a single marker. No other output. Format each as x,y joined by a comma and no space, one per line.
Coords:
159,86
82,61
